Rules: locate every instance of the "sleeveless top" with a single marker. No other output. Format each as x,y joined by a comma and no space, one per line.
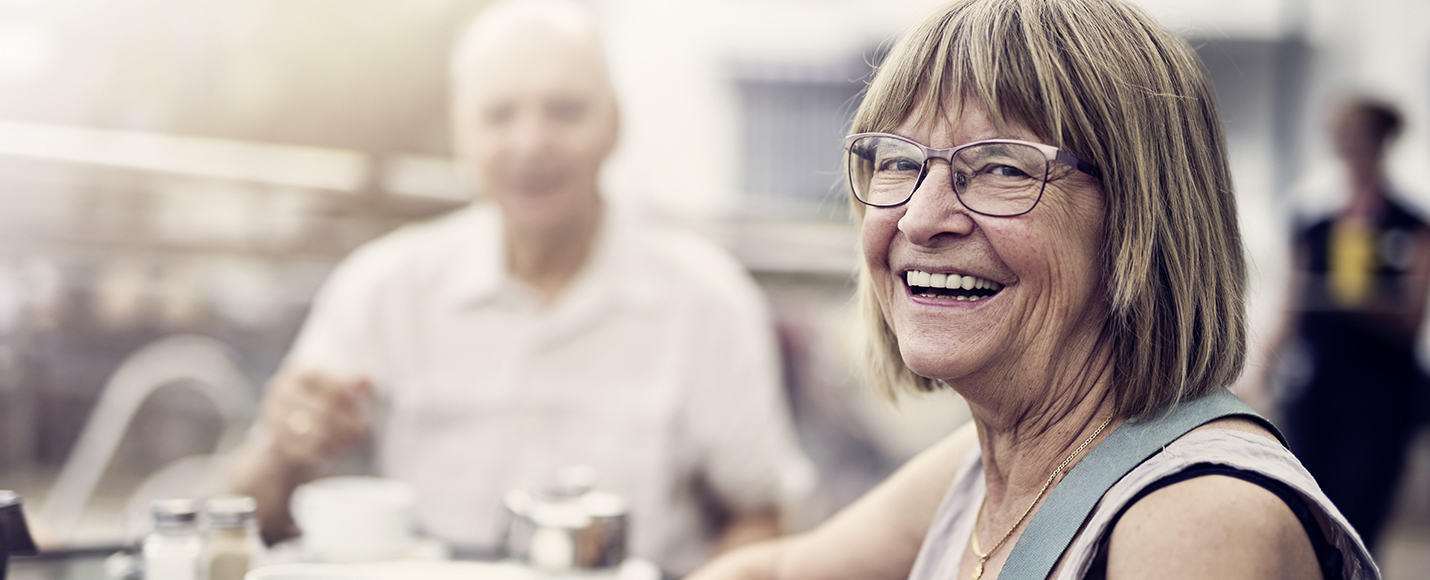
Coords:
942,551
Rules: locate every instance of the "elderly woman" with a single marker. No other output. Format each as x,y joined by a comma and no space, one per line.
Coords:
1049,229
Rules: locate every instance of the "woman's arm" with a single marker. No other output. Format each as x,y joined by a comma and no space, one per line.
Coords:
747,528
877,536
1211,527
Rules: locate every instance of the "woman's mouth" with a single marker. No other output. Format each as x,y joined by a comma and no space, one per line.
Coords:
950,286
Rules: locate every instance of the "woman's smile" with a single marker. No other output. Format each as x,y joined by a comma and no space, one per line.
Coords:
949,286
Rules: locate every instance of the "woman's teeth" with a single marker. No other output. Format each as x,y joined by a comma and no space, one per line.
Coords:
951,286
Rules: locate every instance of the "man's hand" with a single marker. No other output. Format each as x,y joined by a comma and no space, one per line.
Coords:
313,416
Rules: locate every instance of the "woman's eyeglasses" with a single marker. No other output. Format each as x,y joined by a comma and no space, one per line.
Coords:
996,177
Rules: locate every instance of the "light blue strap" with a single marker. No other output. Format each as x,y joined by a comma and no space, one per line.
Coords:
1052,528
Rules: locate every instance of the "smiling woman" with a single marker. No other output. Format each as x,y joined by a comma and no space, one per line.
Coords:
1048,228
1048,305
1176,315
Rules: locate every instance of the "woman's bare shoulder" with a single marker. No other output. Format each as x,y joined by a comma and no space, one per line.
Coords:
1211,527
1239,424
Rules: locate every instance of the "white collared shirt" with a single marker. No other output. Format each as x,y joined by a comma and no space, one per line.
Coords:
657,366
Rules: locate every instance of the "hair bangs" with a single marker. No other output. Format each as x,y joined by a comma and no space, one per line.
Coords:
974,50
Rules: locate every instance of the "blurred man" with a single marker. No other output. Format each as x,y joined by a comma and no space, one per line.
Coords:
534,330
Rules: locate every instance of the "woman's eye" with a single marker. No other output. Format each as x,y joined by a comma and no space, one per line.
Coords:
899,164
1006,171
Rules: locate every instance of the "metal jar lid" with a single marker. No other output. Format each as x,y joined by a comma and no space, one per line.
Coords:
174,513
230,511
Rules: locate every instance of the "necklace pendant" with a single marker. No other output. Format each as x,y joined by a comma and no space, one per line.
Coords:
977,570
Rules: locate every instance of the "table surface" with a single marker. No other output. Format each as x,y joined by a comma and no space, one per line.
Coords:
79,566
90,564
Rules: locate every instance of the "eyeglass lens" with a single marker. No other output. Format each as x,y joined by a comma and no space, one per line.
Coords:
999,179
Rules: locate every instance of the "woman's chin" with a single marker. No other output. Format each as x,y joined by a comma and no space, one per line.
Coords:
961,364
936,367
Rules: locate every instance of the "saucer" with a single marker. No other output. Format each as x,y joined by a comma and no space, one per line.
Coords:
294,551
632,569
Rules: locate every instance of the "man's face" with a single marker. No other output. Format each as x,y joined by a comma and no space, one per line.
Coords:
534,118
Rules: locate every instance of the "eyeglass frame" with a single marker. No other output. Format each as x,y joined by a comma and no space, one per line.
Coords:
1049,152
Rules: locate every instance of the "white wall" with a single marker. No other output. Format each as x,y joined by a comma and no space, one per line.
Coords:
671,62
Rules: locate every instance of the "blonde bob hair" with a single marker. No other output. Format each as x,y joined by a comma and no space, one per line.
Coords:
1101,80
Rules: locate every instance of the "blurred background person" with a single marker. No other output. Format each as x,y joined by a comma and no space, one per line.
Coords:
1358,301
488,349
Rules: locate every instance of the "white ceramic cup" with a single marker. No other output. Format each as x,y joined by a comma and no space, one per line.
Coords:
354,519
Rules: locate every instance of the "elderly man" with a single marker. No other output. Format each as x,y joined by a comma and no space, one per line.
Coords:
536,329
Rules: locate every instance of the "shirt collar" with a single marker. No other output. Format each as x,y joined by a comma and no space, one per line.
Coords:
608,280
477,272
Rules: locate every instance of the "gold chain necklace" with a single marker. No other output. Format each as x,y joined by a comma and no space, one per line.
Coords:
983,557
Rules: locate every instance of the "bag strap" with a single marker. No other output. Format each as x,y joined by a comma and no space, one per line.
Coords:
1053,526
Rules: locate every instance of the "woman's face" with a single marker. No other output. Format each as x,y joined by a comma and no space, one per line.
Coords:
1042,264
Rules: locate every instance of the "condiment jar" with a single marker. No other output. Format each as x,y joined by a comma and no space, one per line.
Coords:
171,551
233,545
567,528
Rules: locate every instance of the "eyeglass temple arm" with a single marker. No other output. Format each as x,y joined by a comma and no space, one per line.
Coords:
1079,164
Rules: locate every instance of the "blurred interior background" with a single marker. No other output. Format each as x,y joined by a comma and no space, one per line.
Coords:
198,166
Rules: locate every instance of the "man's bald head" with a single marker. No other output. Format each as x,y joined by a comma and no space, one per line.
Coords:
525,33
533,113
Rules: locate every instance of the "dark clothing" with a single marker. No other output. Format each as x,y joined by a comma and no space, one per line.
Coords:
1352,422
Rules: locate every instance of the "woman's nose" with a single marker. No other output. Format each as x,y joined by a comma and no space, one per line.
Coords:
935,212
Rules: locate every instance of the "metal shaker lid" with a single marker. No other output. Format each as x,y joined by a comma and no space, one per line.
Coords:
229,511
174,513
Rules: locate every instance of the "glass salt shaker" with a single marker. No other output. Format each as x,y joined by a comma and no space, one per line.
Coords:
171,551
